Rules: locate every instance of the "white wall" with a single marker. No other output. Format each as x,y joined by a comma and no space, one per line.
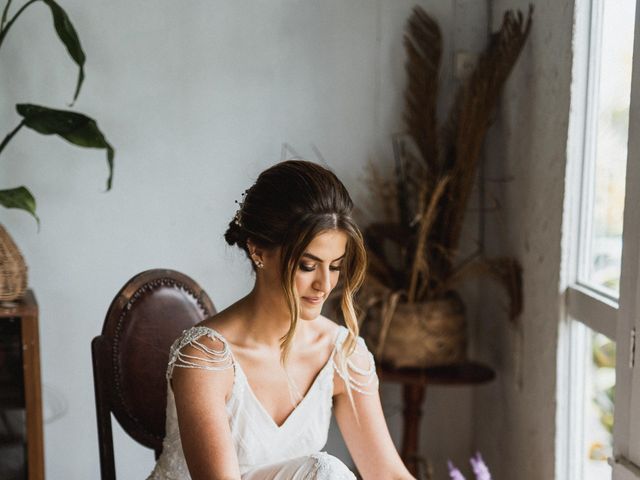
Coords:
197,98
515,416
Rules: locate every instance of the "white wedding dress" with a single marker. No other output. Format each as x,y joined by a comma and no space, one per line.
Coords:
266,451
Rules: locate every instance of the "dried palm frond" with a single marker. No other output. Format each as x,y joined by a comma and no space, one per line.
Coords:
420,262
470,117
506,271
423,44
415,251
378,270
384,193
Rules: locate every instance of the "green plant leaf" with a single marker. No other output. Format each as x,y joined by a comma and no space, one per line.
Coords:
21,198
69,37
73,127
10,135
5,12
7,26
64,29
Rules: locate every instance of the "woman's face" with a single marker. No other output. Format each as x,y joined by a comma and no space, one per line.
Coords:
319,270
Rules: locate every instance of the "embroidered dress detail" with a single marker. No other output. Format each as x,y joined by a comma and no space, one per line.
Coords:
207,358
359,370
328,467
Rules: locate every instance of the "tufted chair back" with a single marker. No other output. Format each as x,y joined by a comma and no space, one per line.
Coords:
131,355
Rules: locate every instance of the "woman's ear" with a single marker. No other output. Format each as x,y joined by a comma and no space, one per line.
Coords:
256,253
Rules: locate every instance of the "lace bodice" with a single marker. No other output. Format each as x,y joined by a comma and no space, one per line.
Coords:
256,437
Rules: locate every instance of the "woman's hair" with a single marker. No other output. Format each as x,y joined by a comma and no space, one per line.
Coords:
290,204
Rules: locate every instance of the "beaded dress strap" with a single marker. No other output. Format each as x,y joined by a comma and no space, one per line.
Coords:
204,357
358,371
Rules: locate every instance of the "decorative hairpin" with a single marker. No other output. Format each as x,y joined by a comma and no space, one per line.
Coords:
237,218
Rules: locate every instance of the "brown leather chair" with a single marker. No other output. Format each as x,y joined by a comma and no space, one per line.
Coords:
131,355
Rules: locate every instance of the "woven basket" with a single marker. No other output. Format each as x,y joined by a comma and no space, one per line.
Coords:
13,270
419,335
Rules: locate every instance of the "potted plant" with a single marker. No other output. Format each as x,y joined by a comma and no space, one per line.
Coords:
74,127
413,315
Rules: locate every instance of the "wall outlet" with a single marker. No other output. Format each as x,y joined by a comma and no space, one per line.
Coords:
465,62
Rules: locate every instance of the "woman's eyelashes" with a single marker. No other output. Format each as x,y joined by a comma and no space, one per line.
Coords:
310,268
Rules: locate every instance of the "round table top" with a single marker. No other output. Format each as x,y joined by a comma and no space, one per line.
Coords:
467,373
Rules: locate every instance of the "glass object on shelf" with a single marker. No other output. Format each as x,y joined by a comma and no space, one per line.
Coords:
600,379
610,118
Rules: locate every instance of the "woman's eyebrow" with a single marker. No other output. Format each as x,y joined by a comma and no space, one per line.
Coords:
313,257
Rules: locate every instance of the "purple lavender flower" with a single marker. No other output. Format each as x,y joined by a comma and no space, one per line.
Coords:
454,473
479,467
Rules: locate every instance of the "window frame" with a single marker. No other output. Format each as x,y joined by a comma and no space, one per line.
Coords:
585,304
626,439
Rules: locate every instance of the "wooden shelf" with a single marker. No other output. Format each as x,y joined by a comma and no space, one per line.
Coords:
468,373
414,382
25,392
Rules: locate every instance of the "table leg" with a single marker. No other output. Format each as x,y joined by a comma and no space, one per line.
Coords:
413,396
33,396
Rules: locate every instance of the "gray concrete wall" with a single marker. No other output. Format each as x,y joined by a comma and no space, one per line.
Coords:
514,417
197,98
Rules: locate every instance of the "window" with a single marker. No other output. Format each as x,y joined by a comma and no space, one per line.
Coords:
598,399
605,143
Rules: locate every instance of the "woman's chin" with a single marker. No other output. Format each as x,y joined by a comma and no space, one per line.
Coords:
310,313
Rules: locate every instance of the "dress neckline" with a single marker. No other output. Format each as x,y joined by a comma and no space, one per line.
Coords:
294,412
314,385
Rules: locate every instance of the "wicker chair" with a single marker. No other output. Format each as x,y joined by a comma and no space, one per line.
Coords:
131,355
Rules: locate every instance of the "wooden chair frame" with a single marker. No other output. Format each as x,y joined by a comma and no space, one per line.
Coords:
125,329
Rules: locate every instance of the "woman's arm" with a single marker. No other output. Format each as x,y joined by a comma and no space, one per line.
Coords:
369,442
204,428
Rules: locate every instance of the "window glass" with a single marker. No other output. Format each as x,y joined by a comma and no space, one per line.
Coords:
598,410
612,87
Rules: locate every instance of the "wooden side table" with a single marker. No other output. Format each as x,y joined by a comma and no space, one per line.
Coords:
414,382
20,383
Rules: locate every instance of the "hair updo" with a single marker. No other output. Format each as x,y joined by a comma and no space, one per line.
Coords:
287,195
290,204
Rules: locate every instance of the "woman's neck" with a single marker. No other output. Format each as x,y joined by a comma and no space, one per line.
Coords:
267,318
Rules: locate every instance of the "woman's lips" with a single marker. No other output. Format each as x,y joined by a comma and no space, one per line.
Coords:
313,300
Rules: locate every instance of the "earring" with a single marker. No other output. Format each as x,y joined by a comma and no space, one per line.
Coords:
257,261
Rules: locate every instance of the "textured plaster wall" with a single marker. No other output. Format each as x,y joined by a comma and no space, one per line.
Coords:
197,97
515,416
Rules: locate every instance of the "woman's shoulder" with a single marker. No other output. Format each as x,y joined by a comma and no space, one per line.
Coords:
200,362
224,323
200,347
355,366
339,333
201,331
328,329
211,330
336,331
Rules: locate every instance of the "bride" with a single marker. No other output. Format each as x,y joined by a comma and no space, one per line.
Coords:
252,389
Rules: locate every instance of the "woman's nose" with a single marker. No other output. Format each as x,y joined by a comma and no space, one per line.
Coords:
323,281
